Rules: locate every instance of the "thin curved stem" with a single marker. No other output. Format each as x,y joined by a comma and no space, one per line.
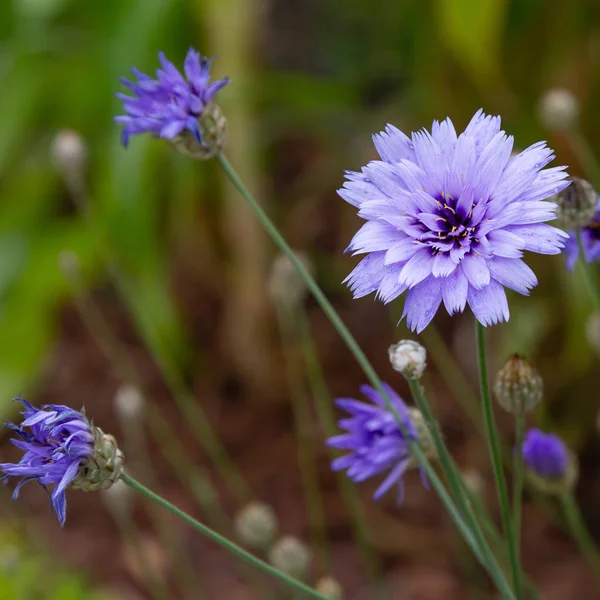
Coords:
518,480
219,539
350,342
486,556
588,274
580,532
325,413
494,447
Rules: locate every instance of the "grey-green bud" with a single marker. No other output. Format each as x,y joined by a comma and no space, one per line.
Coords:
256,525
558,109
576,204
518,386
101,470
213,130
556,486
424,435
291,556
329,588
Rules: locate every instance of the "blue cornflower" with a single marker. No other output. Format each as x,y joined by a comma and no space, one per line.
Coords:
590,239
545,454
374,439
170,104
448,217
57,440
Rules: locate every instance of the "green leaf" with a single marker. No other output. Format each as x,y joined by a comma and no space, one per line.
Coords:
472,31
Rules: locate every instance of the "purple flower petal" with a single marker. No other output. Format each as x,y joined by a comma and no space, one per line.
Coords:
441,209
489,304
422,303
167,105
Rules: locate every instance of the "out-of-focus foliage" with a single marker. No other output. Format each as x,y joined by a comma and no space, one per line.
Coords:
326,75
25,576
330,74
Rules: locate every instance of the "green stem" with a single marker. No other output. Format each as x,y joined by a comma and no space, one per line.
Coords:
590,280
347,337
325,414
494,447
454,478
518,480
495,537
219,539
288,325
355,349
580,532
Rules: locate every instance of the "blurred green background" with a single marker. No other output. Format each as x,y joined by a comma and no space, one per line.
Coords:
166,245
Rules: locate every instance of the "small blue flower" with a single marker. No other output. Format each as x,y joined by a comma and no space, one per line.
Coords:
590,238
374,439
448,217
171,103
545,454
56,440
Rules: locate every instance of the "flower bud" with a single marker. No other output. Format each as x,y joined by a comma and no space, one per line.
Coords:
129,403
558,109
329,588
474,482
551,467
291,556
256,525
518,386
213,130
424,436
576,204
286,285
101,470
409,358
68,152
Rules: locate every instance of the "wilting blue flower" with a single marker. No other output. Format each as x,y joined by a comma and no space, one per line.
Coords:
374,439
171,103
448,218
56,440
545,454
590,239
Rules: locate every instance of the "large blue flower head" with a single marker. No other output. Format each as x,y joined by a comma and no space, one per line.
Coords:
545,454
590,239
56,440
374,439
448,218
171,104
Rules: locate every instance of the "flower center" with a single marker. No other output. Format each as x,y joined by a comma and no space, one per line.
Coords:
452,228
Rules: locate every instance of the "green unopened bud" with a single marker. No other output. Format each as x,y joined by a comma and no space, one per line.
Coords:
518,386
291,556
213,130
409,358
69,152
329,588
286,285
256,525
424,436
558,109
556,486
474,482
576,204
103,468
